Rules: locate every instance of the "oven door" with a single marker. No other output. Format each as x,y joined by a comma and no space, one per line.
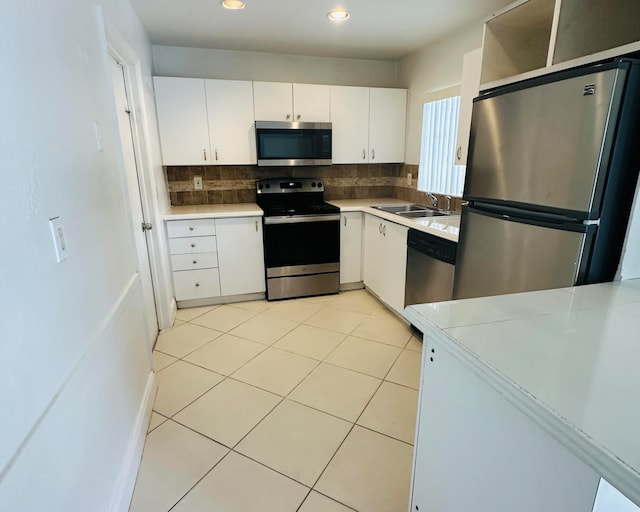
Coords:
305,244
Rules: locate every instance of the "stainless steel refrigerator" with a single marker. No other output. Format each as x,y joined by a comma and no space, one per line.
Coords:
551,173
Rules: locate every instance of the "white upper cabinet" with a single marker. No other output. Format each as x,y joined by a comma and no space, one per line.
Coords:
311,103
273,101
470,88
368,124
276,101
182,119
387,121
205,122
350,123
231,122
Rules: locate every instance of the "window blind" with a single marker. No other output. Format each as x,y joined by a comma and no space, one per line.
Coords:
437,172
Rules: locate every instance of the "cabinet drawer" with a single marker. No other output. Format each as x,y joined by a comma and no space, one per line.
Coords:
197,227
196,284
192,244
194,261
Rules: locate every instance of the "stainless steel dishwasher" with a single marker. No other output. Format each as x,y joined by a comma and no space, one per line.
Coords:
430,267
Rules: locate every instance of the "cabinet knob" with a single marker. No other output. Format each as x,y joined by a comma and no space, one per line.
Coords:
193,245
298,117
197,284
288,116
190,228
195,262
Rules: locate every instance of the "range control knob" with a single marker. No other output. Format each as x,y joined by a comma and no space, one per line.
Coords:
319,184
260,187
313,184
268,185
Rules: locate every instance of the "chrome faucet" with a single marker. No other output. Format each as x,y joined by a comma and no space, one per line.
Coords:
448,198
434,199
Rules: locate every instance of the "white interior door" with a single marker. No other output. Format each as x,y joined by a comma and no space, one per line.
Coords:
133,188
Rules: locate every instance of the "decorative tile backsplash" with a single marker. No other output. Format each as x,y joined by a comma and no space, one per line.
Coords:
236,184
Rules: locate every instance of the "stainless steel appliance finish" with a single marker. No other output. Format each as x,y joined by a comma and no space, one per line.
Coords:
301,238
430,268
412,210
498,254
282,143
552,169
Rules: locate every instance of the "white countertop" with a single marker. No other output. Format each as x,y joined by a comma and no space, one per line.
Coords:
212,211
445,226
569,358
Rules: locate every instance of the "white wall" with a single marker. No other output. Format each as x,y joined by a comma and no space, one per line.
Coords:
74,370
270,67
436,66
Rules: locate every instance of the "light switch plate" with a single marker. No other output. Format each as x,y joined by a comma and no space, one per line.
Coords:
59,242
197,182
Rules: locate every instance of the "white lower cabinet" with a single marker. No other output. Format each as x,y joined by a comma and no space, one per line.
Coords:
194,258
385,260
216,257
475,450
241,255
350,247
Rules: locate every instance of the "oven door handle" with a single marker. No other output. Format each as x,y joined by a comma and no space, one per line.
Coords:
295,219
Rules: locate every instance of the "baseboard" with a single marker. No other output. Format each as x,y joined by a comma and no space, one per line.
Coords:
131,460
346,287
225,299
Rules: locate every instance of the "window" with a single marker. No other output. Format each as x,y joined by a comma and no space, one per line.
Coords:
437,172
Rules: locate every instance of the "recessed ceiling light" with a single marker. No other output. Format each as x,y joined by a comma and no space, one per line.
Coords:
338,15
233,4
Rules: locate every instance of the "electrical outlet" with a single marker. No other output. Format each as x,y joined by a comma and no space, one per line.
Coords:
197,182
409,178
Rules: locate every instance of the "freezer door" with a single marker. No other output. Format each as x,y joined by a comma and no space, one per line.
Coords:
498,255
546,145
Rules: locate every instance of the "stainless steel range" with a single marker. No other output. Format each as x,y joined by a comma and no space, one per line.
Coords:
301,238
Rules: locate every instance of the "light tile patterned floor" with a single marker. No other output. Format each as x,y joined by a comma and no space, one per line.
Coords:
303,405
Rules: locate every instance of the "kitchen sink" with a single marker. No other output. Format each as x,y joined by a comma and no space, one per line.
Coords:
412,211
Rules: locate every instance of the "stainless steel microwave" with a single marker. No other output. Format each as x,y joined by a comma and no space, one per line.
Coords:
282,143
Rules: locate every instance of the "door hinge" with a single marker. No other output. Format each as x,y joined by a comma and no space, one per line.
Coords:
146,226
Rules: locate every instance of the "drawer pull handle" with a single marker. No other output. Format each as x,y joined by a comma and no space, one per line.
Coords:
195,262
190,228
197,284
193,245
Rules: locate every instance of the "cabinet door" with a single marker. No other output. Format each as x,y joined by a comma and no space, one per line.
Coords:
350,120
311,103
240,255
394,265
231,121
182,120
387,120
475,451
470,87
373,254
273,101
351,247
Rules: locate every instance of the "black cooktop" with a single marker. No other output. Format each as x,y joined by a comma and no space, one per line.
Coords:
293,196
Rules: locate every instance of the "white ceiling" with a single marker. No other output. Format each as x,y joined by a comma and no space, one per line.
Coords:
376,30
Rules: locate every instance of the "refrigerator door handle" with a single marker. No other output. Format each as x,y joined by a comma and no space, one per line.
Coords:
547,220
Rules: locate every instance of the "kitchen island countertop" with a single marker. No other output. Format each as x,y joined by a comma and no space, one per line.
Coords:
212,211
567,358
445,226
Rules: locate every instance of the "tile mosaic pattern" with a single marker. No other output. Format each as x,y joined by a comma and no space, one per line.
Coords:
314,412
236,184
